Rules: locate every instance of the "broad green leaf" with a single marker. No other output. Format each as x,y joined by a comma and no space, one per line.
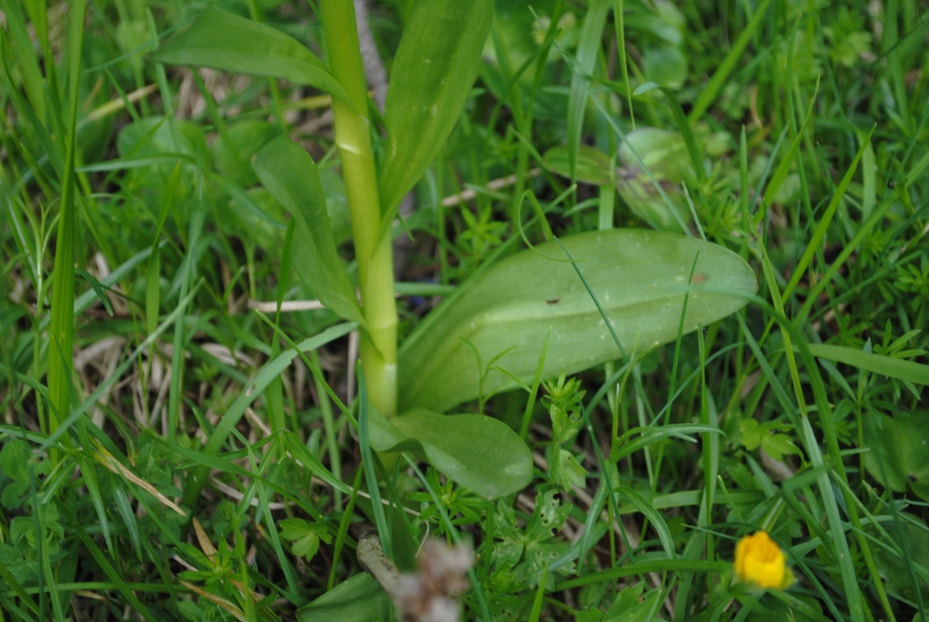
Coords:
481,453
233,149
432,74
639,277
289,173
898,451
359,599
593,166
646,154
665,65
663,152
227,42
664,157
153,137
897,567
751,434
14,459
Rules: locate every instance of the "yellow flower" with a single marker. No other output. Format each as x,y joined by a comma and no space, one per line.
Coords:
760,561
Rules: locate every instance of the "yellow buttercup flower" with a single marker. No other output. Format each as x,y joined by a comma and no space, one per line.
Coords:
760,561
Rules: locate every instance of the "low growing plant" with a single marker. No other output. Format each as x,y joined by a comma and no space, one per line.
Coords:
587,298
181,439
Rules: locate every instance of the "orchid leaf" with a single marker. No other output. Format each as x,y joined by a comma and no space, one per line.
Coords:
290,175
641,279
231,43
432,74
480,453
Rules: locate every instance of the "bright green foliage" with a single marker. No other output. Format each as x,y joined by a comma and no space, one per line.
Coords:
289,174
305,537
909,545
898,451
478,452
162,229
642,280
647,158
592,166
431,76
753,435
224,41
359,599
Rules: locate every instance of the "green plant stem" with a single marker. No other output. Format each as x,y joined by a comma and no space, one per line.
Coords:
373,250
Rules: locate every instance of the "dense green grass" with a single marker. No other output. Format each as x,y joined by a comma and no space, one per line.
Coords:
802,145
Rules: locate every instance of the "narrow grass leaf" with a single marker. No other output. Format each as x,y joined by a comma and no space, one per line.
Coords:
94,397
651,513
178,357
275,393
587,52
124,507
712,90
11,582
21,47
868,176
300,453
839,548
780,173
838,543
696,157
93,489
862,235
60,355
365,415
820,232
908,371
153,284
272,531
249,394
224,464
97,288
536,614
261,380
431,76
647,436
644,567
113,573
